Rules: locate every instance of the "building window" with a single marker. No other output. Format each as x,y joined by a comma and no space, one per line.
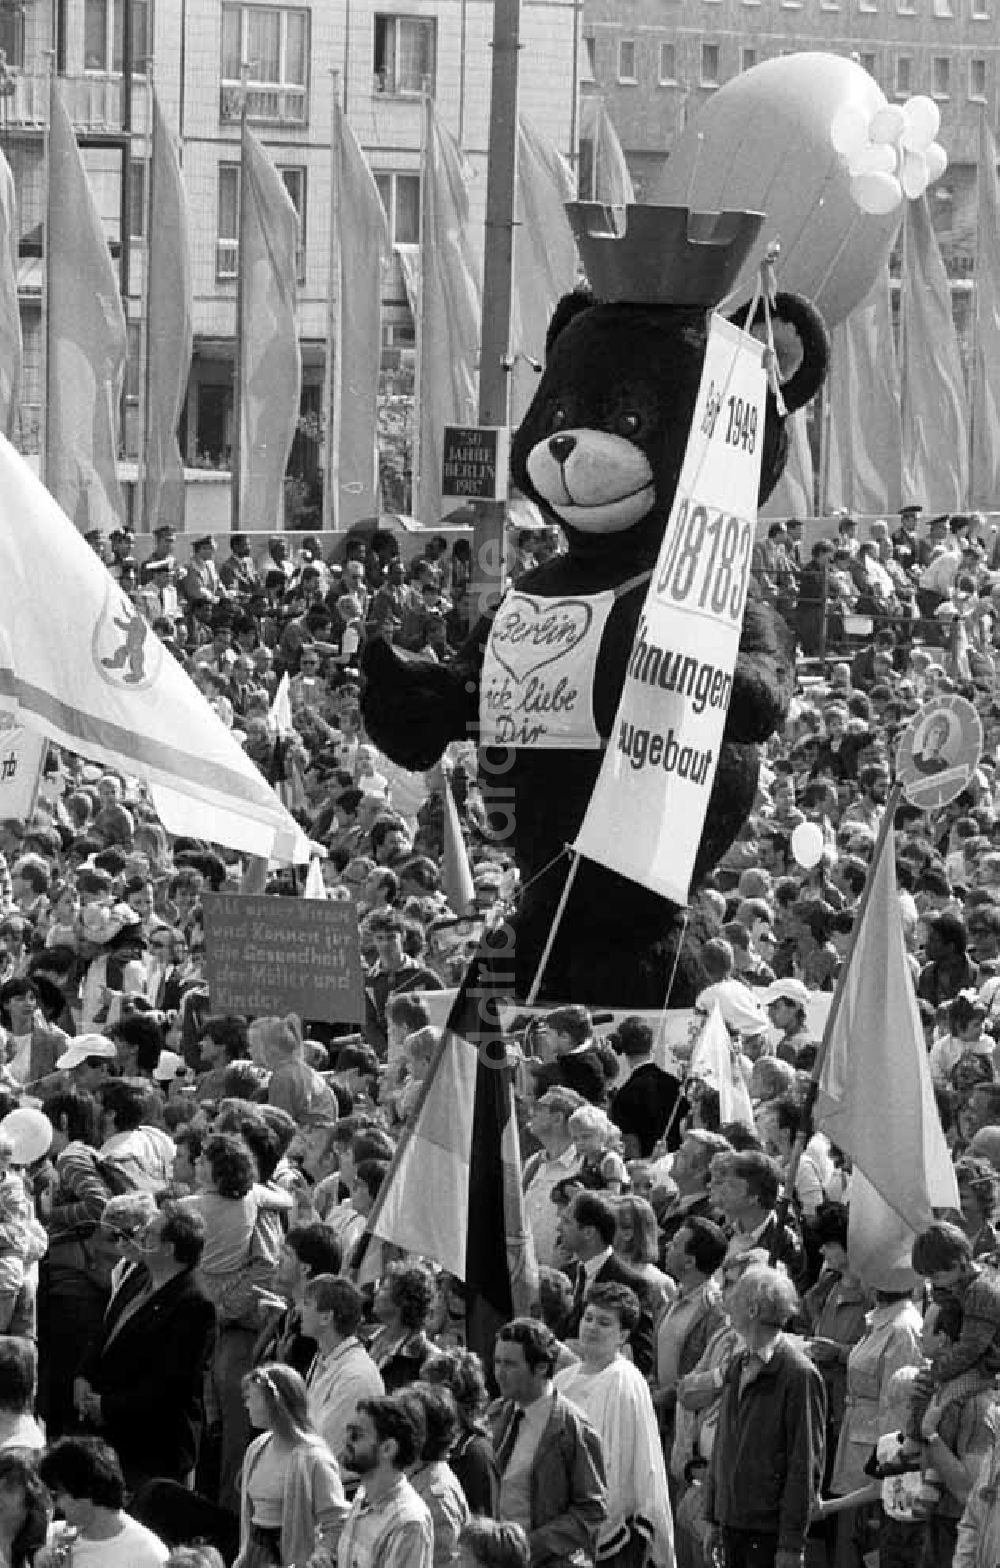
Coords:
668,64
748,58
272,42
981,10
104,36
590,48
137,198
626,60
12,38
904,76
400,195
405,55
941,76
868,6
710,65
227,248
977,78
906,7
830,5
943,8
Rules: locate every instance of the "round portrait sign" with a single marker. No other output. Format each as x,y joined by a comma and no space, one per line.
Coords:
939,752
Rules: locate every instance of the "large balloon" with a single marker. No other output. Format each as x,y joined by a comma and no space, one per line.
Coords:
766,141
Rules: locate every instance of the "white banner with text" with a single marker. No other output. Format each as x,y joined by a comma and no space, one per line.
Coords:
662,755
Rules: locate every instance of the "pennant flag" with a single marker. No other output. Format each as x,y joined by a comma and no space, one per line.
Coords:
459,888
169,332
79,664
610,180
279,716
544,257
22,753
984,482
450,313
715,1061
935,427
315,887
793,495
875,1099
11,349
270,366
360,246
462,1146
864,466
86,340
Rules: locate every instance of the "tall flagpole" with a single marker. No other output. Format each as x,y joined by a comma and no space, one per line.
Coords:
43,418
418,368
334,334
498,273
974,324
140,517
236,454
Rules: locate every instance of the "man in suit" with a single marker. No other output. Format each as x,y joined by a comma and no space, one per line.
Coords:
140,1384
587,1231
552,1478
644,1105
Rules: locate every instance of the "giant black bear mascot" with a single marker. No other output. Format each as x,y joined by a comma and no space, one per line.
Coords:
600,452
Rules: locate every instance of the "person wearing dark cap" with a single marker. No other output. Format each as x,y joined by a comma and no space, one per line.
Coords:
95,538
239,572
935,537
201,583
905,544
162,553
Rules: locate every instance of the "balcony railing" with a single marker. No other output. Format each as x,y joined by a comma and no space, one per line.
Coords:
266,105
94,102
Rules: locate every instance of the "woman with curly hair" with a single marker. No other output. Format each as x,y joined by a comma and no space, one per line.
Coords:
978,1194
472,1457
403,1304
229,1199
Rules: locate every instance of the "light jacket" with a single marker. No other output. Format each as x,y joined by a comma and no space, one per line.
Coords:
313,1510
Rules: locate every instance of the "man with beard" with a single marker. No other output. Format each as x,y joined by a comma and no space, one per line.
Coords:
388,1526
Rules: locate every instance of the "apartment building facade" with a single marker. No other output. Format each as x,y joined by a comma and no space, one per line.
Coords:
380,57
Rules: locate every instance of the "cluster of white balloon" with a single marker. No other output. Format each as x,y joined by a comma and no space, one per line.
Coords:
891,153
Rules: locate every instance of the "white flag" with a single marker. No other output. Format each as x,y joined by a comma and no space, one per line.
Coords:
714,1060
80,665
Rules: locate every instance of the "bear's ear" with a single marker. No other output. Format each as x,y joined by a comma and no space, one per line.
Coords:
800,335
567,309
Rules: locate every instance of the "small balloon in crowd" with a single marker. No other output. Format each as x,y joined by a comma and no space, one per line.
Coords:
807,845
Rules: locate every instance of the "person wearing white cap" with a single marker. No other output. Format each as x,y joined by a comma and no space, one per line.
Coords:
88,1057
786,1001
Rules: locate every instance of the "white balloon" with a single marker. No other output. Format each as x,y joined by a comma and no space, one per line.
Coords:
30,1132
923,121
849,131
807,845
914,175
874,159
937,161
887,124
876,194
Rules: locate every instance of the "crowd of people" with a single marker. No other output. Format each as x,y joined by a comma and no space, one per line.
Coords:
204,1355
